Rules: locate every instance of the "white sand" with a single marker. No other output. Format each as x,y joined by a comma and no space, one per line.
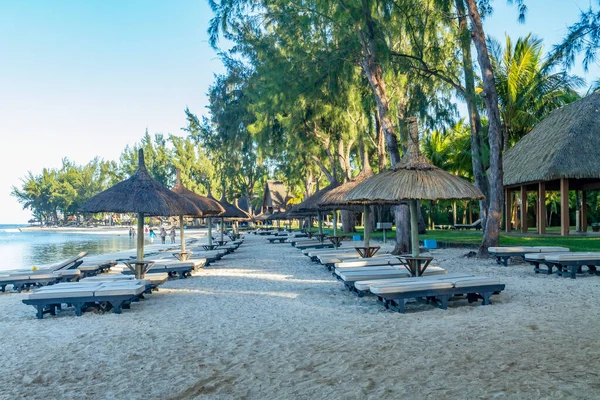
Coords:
266,323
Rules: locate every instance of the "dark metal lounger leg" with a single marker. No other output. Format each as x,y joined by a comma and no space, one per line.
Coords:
486,298
443,301
78,308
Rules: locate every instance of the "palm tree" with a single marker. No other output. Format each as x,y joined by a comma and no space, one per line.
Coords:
528,88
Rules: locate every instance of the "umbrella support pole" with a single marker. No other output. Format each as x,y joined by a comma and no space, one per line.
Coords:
140,242
209,220
181,233
414,228
320,221
367,226
222,227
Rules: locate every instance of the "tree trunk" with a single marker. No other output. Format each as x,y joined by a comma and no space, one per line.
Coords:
348,221
380,144
481,180
491,233
374,75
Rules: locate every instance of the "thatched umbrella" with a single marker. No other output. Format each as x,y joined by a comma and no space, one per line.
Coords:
143,195
206,205
231,212
334,199
311,204
412,179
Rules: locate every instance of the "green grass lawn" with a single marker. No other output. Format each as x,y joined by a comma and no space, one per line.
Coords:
575,243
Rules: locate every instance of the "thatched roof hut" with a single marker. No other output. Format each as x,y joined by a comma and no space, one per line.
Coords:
205,204
563,145
560,153
275,197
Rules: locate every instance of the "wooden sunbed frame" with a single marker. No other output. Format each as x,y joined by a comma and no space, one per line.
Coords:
439,297
49,306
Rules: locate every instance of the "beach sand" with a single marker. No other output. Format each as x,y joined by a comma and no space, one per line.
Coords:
267,323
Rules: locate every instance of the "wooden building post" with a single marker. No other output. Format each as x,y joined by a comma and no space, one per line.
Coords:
541,221
507,210
583,211
564,207
523,209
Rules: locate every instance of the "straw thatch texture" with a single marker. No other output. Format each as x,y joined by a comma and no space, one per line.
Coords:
207,206
311,203
295,213
334,199
140,194
412,178
277,216
231,211
275,196
563,145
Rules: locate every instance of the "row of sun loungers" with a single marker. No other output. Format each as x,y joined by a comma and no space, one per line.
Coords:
549,260
502,254
114,291
386,277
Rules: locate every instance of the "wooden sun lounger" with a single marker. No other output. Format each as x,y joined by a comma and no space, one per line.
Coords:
362,288
26,281
315,245
572,264
280,239
379,259
152,280
502,254
475,225
349,277
539,259
437,292
117,295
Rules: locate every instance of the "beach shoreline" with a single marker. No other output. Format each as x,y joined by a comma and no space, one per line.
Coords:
267,323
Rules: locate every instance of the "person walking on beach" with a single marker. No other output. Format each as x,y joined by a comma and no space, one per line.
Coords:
172,234
163,235
152,235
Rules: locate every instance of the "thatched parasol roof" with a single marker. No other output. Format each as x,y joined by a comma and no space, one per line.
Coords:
231,211
563,145
412,178
277,216
140,194
205,204
334,199
310,205
295,213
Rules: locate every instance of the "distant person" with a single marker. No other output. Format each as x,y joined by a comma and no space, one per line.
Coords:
146,230
152,235
163,235
172,234
131,234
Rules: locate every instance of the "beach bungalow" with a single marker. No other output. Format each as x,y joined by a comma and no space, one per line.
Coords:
275,197
559,154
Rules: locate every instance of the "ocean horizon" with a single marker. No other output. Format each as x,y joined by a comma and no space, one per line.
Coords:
26,249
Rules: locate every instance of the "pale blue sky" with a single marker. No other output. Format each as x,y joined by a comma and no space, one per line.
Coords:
85,78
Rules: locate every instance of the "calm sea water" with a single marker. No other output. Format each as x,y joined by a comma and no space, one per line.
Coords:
26,249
